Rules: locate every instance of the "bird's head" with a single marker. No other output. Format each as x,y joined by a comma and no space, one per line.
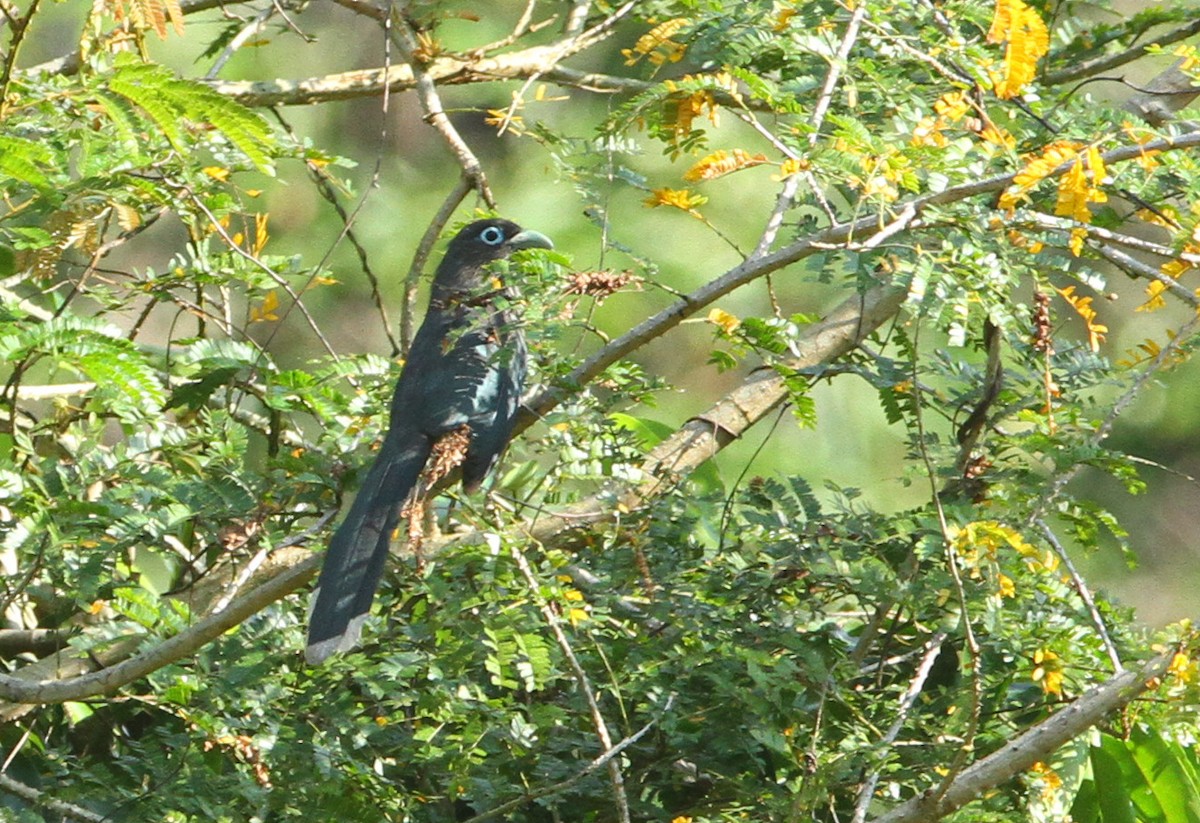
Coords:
478,244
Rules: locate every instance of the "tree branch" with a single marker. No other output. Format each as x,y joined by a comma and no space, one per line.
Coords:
405,37
447,69
1088,68
822,240
67,811
51,679
1034,744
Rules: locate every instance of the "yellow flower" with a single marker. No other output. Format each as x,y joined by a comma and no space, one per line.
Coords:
724,319
1047,671
682,199
1006,586
657,45
1182,667
1028,39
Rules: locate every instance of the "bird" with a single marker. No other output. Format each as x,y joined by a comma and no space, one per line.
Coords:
464,373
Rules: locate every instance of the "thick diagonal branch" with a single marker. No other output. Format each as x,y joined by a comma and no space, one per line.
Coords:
1033,745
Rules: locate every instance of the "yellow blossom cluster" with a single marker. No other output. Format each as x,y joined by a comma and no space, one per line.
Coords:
721,163
657,46
1027,39
683,199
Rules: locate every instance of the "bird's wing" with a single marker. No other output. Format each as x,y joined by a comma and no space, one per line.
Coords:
498,399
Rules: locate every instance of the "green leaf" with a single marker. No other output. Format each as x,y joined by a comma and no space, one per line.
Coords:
1167,776
649,433
20,159
170,102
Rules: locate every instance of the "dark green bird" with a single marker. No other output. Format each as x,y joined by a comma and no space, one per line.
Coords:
467,368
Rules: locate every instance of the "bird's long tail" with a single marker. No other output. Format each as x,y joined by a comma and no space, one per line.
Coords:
357,554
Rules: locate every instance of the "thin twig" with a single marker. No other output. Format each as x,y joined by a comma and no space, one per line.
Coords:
348,220
251,29
278,278
562,786
614,768
1101,433
867,792
327,191
952,563
1081,588
412,280
519,30
791,184
20,28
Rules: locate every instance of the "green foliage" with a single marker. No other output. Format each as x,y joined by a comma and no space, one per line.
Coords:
170,102
770,643
1143,777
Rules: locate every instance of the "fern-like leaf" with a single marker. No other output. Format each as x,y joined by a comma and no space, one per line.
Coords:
126,384
170,101
123,118
20,158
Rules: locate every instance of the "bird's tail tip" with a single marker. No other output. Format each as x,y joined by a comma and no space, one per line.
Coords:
324,641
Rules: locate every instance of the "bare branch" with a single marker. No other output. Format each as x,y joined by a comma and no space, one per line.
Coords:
1139,269
1034,744
35,641
1088,68
442,70
68,811
27,392
1166,95
62,677
576,18
932,648
405,38
1085,594
706,434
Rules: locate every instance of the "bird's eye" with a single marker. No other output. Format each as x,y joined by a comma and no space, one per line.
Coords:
492,236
